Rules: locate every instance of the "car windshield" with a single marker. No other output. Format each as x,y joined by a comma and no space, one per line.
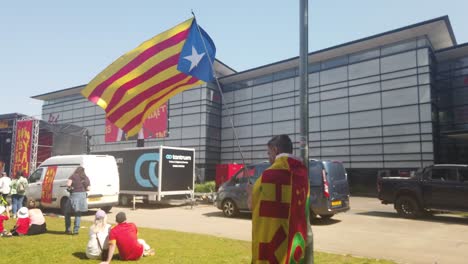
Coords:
252,171
336,170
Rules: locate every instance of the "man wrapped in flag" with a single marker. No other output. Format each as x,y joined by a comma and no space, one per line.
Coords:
280,207
137,83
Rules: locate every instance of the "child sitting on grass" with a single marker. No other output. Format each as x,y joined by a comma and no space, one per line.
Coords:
22,224
3,232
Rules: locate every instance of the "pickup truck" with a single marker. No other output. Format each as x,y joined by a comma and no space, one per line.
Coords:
437,188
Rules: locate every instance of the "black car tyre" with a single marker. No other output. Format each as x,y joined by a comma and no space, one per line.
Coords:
229,208
326,217
106,208
407,207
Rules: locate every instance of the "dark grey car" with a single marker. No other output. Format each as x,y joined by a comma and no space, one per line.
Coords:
329,190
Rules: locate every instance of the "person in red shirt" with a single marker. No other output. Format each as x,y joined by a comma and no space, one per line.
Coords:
22,224
125,236
3,217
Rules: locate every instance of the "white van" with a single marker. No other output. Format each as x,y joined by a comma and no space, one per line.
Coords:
48,184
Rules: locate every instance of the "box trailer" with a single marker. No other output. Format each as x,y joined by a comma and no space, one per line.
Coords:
157,174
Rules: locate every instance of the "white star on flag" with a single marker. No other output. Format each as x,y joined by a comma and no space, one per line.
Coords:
195,58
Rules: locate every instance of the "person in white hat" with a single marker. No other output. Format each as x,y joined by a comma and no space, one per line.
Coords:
98,242
22,224
3,217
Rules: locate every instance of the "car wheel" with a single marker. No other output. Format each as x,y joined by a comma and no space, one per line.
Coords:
229,208
326,217
312,216
106,208
407,207
124,200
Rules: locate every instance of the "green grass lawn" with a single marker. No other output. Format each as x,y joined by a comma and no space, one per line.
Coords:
171,247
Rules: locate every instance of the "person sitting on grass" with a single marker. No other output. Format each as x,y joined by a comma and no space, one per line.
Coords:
3,232
98,242
22,224
125,236
37,225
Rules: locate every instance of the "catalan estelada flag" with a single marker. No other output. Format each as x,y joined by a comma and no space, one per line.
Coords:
280,212
141,80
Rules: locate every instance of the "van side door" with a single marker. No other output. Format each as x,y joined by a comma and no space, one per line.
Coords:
35,184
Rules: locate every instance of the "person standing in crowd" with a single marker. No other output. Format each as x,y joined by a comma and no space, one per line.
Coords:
280,203
37,224
18,189
98,242
22,224
3,232
125,236
5,188
78,184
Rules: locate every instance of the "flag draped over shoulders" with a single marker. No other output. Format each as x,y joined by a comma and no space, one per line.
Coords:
141,80
280,203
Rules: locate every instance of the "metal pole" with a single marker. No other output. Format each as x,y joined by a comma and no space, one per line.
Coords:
304,106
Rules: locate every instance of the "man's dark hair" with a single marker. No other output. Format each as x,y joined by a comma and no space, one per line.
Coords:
282,143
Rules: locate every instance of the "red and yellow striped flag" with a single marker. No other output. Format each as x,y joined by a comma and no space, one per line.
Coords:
141,80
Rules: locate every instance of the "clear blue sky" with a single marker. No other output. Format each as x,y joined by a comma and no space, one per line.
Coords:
50,45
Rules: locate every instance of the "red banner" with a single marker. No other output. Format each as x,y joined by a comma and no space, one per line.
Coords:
48,184
155,126
23,142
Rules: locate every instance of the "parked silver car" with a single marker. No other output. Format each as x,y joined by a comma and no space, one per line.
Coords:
329,190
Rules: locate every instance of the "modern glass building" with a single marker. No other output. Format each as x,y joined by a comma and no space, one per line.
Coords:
385,104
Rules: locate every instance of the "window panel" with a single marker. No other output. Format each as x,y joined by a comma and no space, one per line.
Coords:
286,127
376,140
366,132
262,116
366,119
398,47
284,113
364,69
313,79
333,86
400,157
400,97
344,142
399,74
190,95
335,151
334,122
401,130
314,109
338,134
424,94
364,102
366,149
314,124
400,115
400,83
334,106
191,132
283,86
398,148
333,75
262,90
425,112
191,120
334,94
364,80
243,94
398,62
364,55
423,57
262,130
243,119
365,88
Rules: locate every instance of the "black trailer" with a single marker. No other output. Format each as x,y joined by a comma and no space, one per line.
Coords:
157,174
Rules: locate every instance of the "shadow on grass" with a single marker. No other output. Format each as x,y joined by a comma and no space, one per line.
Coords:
80,255
241,215
442,218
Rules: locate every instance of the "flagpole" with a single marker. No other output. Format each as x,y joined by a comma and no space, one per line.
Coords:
304,109
221,92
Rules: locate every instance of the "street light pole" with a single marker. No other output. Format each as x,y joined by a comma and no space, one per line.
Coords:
304,109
